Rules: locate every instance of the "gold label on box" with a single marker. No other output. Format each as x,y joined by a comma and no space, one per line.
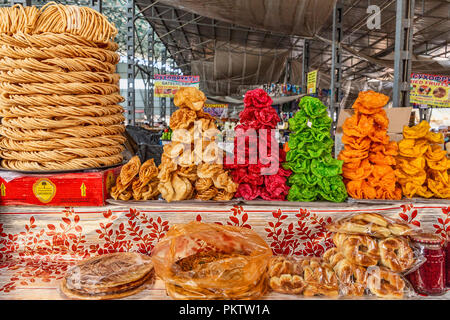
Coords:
83,190
44,190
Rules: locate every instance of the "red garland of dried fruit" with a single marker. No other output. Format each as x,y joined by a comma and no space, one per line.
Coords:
258,114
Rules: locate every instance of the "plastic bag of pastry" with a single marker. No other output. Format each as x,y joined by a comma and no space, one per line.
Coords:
372,224
308,276
320,278
108,276
286,275
394,253
386,284
210,261
352,277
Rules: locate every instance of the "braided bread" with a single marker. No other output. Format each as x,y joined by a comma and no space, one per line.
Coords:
353,278
61,111
373,224
62,154
79,163
285,275
396,254
60,51
49,40
360,250
72,132
385,283
53,144
320,278
62,122
59,93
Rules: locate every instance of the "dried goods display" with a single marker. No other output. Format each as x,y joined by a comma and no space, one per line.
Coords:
422,165
369,155
59,92
191,165
256,166
316,174
136,181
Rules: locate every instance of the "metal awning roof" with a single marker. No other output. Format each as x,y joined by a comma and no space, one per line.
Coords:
230,56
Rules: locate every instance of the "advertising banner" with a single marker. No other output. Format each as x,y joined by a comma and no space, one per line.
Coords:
432,90
219,110
166,85
312,81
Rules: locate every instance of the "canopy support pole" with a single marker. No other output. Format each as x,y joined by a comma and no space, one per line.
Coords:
131,75
96,5
24,3
336,66
150,107
305,65
163,71
172,72
403,51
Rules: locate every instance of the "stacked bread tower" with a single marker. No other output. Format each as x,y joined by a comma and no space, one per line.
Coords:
59,92
368,154
191,165
371,253
316,174
422,165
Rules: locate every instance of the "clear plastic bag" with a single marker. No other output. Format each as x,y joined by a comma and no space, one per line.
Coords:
395,253
308,276
359,281
211,261
352,278
386,284
372,224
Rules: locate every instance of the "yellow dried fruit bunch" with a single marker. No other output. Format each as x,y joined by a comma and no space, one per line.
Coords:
422,165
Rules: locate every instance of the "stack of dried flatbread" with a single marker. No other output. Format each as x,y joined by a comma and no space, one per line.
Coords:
109,276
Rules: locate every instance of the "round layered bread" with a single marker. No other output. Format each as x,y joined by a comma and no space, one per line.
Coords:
108,276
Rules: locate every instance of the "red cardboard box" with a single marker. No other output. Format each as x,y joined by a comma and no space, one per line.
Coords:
88,188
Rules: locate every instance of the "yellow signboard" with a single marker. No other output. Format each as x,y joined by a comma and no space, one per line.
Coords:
312,81
217,110
166,85
432,90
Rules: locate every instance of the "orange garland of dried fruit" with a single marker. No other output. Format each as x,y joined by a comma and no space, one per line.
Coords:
368,154
422,166
189,170
137,181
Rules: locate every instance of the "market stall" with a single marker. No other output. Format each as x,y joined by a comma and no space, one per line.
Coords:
94,210
51,239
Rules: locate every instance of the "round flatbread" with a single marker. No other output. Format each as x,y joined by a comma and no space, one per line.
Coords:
82,295
109,272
